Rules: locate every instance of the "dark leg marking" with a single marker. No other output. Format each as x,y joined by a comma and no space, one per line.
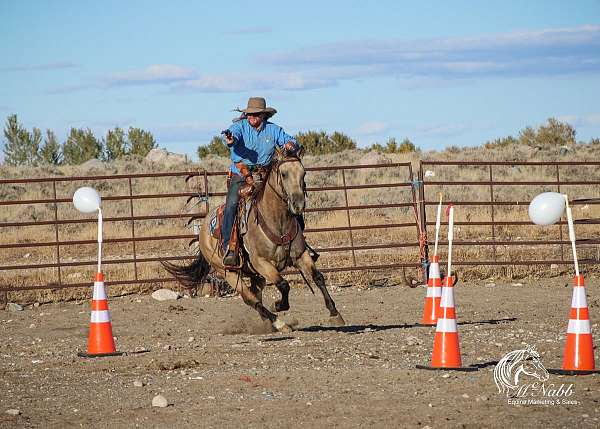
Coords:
320,281
283,304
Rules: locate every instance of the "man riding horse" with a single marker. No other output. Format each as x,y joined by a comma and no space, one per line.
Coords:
273,234
252,140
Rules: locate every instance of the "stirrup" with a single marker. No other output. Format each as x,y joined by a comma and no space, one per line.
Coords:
230,259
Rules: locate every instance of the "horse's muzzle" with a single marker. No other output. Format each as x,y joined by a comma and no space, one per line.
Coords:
296,205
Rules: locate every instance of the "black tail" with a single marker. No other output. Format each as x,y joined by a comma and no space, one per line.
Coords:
190,276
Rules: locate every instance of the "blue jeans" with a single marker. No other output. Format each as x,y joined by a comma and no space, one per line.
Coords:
231,204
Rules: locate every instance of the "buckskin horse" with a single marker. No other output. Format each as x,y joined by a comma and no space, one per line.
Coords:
272,242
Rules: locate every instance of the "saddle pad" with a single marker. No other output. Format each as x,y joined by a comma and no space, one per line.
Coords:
216,219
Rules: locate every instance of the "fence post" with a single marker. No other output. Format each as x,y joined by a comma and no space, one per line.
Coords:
348,216
133,231
492,212
56,233
560,230
423,245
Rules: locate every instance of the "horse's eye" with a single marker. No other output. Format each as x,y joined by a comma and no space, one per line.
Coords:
284,175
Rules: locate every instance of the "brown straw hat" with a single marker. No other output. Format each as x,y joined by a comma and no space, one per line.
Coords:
258,105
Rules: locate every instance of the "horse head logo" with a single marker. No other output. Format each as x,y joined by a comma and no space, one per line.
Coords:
514,364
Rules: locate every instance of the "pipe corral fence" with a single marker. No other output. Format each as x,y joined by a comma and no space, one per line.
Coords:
360,217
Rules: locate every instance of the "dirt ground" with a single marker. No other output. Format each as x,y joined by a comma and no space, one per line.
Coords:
213,361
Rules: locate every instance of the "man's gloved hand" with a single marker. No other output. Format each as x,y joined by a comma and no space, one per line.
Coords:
289,148
228,137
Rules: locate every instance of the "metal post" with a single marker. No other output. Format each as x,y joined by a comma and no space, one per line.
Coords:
206,199
560,230
133,230
492,212
56,233
423,221
348,217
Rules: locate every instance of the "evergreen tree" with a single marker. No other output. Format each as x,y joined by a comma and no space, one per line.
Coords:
21,147
341,142
81,146
115,144
50,151
215,147
314,142
141,142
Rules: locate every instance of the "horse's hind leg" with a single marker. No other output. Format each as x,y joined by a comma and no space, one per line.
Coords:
252,299
308,268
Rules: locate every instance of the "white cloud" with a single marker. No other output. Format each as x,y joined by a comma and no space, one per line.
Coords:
154,74
245,82
442,130
591,119
413,63
371,128
545,52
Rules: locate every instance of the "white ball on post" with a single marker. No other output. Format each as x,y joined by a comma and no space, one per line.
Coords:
87,200
547,208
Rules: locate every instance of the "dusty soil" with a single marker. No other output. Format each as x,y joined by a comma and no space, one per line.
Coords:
217,368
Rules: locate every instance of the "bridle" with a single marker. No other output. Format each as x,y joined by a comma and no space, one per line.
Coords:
275,168
295,228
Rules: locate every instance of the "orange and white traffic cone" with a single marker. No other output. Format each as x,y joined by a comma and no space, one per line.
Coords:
578,356
434,293
446,349
100,340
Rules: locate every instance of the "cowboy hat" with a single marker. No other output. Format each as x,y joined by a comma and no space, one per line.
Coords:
258,105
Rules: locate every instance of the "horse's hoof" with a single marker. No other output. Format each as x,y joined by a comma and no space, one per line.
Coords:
274,308
282,327
337,320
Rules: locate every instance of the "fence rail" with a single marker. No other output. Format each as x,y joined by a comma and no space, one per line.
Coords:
491,202
395,218
53,201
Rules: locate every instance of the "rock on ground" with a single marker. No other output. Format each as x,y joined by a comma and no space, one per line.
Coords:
159,401
165,295
12,306
164,157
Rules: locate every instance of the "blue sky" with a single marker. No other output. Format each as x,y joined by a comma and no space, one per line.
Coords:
439,73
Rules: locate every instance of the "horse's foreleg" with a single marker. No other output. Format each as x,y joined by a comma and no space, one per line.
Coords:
252,297
308,268
269,272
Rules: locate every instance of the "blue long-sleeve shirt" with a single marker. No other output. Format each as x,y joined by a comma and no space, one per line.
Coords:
254,147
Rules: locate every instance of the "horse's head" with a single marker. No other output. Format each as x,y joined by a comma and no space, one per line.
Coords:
533,366
290,177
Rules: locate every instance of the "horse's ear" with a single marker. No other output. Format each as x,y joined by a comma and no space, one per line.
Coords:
278,153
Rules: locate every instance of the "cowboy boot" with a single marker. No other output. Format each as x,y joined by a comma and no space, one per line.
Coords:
230,259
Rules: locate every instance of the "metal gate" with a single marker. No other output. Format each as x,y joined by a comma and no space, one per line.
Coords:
491,218
360,217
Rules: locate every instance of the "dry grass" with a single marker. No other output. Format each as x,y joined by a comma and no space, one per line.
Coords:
116,251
